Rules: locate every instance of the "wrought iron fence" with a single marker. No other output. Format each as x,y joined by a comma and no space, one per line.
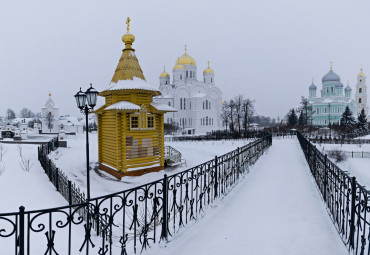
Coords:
135,218
223,135
352,154
347,201
336,140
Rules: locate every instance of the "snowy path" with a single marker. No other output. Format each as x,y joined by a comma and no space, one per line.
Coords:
276,209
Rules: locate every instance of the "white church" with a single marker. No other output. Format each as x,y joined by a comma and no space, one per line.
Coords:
198,103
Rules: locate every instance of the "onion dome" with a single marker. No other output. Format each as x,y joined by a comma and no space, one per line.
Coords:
361,74
339,85
164,73
330,76
348,88
177,66
208,70
186,60
313,87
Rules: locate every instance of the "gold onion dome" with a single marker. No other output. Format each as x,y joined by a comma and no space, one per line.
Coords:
208,70
164,73
186,60
177,66
361,73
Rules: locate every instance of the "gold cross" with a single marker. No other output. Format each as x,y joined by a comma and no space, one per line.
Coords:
185,49
128,24
331,65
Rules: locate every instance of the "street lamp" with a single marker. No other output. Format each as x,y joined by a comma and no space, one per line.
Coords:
86,108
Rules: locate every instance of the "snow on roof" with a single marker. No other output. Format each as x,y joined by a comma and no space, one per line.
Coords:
123,105
69,120
136,83
163,107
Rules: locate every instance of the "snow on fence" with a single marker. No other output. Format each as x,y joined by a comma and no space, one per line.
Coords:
135,218
336,140
347,201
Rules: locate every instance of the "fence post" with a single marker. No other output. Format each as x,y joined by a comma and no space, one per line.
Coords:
21,230
57,178
49,170
165,208
239,163
70,192
352,154
216,177
353,212
314,162
325,175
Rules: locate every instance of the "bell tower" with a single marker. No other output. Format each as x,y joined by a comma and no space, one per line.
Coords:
361,93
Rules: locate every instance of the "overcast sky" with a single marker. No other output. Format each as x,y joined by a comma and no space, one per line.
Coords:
266,50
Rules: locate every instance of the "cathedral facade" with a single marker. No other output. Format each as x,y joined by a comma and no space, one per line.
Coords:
198,103
328,108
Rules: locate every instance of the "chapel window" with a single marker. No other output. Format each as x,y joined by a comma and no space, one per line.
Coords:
150,121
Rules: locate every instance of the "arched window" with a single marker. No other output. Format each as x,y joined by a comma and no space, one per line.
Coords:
211,80
180,103
203,105
206,104
207,121
360,100
187,73
169,103
184,104
360,90
180,76
209,107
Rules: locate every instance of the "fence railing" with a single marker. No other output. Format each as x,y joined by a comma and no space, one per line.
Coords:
335,140
347,201
352,154
135,218
216,136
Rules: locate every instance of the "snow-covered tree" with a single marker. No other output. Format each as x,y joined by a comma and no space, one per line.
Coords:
292,118
301,119
362,121
347,121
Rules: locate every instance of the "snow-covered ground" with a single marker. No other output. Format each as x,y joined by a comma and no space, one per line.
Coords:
18,187
276,209
72,161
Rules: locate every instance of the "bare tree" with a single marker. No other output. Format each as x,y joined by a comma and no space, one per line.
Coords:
225,114
26,113
49,118
25,163
239,99
248,109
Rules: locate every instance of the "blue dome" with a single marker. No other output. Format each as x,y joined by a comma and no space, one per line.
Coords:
330,76
348,88
339,85
313,87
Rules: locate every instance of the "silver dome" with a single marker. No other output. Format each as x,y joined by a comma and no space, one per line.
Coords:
330,76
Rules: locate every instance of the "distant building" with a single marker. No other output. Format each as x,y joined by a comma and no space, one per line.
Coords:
50,117
70,124
334,99
198,103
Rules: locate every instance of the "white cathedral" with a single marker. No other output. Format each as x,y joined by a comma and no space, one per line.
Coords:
198,103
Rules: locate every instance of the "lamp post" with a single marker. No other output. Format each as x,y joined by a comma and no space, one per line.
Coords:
86,108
